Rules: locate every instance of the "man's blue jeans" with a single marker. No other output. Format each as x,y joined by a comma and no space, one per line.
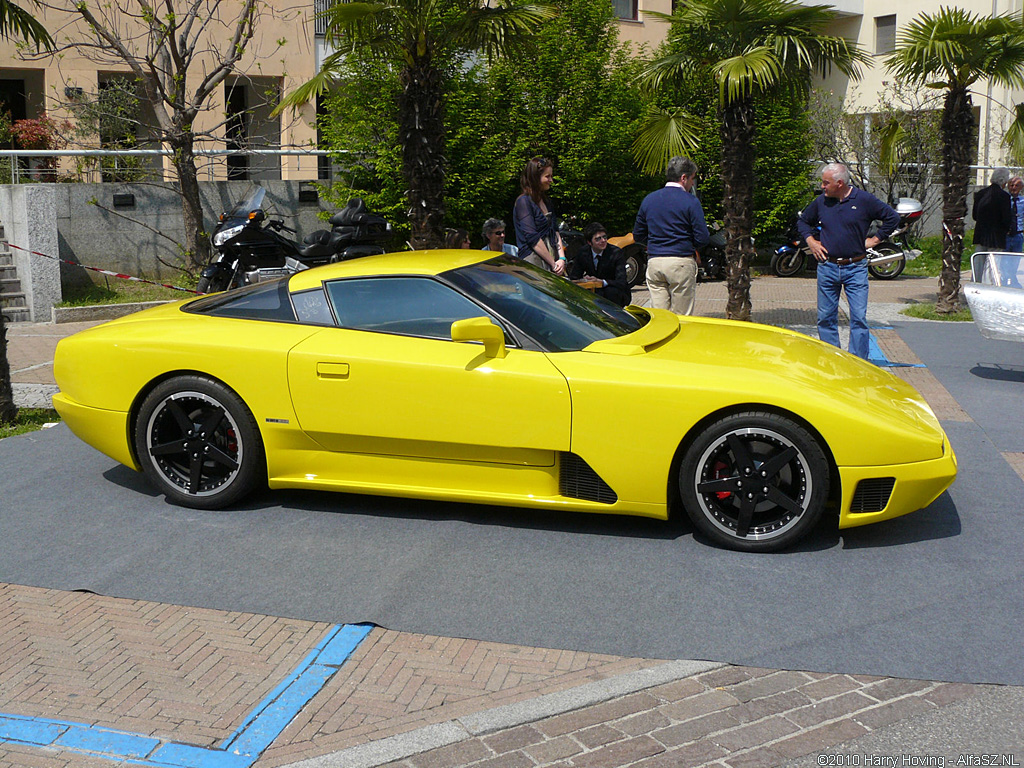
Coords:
832,279
1015,243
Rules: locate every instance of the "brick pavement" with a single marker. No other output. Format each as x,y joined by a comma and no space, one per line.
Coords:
733,716
191,675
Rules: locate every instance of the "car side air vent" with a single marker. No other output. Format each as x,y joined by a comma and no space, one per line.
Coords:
872,495
577,480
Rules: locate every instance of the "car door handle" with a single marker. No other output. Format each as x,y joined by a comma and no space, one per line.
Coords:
332,370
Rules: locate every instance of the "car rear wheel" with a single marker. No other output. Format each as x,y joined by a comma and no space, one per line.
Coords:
198,443
756,482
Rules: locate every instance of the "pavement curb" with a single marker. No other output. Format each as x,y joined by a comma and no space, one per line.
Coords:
403,745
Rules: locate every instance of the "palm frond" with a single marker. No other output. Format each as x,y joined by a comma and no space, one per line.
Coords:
668,69
663,134
497,31
1014,138
753,71
956,47
317,85
15,21
892,145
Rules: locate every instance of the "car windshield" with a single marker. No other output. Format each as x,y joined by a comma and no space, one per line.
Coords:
555,312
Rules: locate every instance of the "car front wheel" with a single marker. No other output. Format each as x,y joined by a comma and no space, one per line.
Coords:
756,482
198,443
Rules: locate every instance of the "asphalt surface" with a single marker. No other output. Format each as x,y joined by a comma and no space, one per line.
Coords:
934,595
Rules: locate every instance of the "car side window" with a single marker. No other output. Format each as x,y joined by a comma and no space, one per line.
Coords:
312,308
262,301
412,306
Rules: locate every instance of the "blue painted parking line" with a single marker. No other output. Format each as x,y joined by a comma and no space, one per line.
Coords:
879,358
239,750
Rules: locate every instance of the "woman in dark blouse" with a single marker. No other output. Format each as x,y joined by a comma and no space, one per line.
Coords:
538,240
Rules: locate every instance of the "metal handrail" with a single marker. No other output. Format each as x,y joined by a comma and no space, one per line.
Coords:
15,154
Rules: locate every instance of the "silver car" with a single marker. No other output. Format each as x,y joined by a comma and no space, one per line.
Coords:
996,295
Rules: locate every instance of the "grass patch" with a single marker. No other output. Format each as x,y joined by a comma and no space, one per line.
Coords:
28,420
926,311
929,263
116,291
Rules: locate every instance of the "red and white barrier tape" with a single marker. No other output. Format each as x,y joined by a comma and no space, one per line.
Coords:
102,271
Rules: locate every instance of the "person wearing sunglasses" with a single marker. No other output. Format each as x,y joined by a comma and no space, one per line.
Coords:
604,262
494,237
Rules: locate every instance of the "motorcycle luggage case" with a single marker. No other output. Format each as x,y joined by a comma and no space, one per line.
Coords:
908,205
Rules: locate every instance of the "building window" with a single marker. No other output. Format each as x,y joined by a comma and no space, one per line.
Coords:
625,9
885,34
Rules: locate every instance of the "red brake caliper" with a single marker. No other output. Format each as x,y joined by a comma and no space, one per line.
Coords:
721,470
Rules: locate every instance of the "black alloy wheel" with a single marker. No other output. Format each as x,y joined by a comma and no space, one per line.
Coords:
893,269
755,482
198,443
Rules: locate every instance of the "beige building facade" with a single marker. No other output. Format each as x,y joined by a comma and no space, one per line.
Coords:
875,26
279,57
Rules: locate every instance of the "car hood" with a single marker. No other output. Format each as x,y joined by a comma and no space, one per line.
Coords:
733,363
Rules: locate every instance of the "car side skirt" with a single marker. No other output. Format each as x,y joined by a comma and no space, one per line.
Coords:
914,487
465,481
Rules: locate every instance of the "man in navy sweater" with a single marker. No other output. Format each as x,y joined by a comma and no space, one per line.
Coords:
844,214
671,223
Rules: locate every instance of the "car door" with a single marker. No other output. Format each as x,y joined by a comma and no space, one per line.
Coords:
389,380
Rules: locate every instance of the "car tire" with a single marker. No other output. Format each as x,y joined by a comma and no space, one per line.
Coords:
893,269
755,482
198,443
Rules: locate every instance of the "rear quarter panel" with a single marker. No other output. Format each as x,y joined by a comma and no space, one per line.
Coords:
111,367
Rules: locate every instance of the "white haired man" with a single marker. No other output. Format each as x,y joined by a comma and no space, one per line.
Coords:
843,213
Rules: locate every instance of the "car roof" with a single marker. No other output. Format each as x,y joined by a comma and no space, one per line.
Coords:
401,263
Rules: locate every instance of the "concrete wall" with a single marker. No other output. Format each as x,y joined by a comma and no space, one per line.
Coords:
29,216
95,233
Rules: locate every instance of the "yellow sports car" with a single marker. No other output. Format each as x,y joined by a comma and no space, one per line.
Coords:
442,375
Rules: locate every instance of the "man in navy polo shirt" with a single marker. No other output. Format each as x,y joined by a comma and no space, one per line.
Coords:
671,224
844,214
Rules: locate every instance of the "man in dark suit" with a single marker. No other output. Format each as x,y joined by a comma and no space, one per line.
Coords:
604,262
993,218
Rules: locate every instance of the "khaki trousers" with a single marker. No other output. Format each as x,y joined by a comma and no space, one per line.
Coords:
672,281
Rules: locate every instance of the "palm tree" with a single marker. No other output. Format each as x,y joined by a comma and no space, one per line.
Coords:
423,38
15,21
953,49
750,48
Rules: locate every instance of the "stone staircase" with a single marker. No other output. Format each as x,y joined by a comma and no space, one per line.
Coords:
12,298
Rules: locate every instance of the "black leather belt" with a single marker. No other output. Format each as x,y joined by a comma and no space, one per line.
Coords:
851,260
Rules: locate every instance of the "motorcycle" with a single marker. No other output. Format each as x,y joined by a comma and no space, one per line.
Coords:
886,261
712,256
251,247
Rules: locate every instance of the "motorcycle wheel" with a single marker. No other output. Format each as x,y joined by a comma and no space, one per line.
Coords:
712,264
635,267
213,285
893,269
788,264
